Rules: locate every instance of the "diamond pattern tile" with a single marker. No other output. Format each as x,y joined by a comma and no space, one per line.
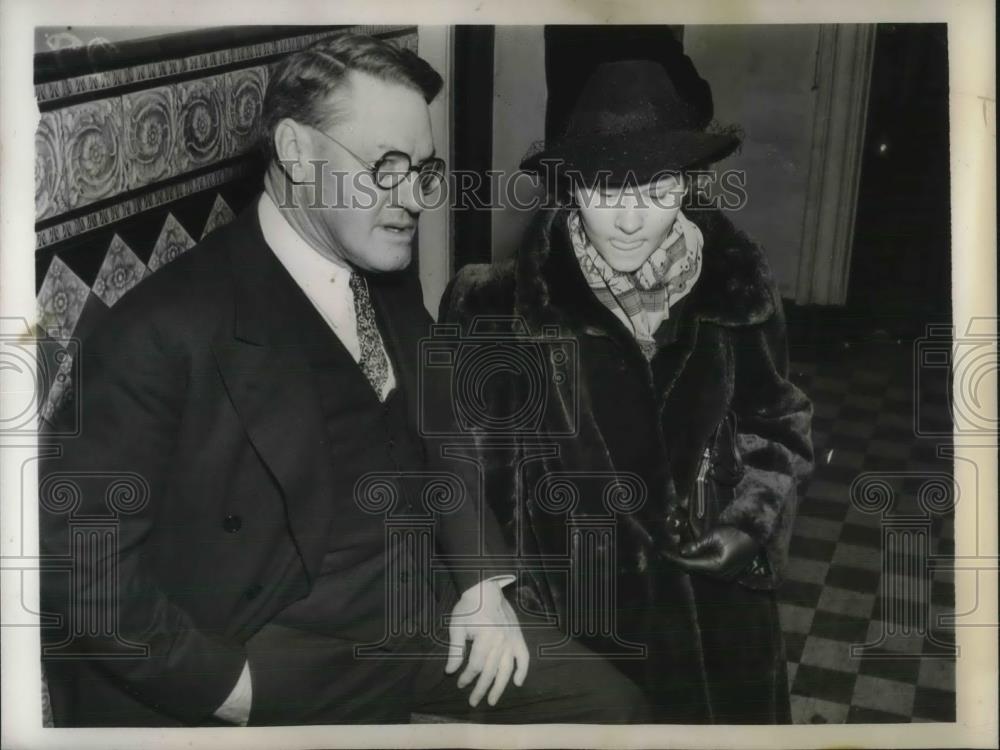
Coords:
120,271
69,308
61,300
173,241
220,215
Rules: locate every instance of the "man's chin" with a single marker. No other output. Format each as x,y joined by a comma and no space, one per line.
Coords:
386,260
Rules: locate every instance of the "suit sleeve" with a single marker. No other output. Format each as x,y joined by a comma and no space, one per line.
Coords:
774,441
131,390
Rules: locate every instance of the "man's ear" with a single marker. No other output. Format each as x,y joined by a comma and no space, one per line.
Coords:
288,142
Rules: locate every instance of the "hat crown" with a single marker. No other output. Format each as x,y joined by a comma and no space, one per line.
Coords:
629,96
630,123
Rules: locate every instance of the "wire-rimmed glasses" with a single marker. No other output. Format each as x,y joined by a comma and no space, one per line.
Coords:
392,167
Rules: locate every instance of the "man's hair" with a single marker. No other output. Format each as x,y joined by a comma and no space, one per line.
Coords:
301,86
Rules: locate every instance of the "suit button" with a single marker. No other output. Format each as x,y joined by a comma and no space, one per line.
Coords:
232,524
253,592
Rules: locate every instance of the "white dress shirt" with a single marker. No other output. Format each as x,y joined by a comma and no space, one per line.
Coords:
325,282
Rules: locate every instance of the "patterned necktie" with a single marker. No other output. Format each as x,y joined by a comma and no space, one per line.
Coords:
374,364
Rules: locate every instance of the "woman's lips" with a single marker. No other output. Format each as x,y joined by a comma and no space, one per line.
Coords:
626,245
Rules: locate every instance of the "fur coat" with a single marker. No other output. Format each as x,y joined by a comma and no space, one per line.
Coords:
595,431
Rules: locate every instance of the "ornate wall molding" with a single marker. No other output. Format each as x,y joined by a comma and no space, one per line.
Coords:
152,72
89,152
93,151
113,214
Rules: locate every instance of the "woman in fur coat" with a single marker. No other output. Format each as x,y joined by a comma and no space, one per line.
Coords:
626,382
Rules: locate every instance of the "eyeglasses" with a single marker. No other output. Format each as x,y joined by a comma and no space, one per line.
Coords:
393,167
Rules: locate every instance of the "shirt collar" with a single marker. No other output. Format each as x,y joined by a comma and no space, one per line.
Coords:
307,266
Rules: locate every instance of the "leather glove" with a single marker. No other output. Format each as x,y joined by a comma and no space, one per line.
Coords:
725,552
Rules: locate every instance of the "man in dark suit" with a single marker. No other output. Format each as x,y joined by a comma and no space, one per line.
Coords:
242,410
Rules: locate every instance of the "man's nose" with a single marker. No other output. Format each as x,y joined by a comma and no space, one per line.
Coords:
408,194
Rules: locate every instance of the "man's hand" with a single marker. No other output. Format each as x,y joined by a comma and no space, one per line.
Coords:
484,617
725,552
236,709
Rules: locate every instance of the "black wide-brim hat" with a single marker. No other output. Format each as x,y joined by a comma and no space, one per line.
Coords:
631,125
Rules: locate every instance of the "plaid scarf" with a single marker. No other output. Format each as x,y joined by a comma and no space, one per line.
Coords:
642,299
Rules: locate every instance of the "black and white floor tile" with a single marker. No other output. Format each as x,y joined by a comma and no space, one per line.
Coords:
844,587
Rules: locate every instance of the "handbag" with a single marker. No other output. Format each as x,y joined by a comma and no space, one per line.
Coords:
720,469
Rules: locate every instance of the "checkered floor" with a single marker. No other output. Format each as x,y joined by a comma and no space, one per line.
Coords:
859,572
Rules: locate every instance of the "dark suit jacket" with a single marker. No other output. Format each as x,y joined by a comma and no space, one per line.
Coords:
204,448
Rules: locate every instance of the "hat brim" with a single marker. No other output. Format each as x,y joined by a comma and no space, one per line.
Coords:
630,156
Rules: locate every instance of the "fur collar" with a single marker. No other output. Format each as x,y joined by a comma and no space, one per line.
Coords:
735,287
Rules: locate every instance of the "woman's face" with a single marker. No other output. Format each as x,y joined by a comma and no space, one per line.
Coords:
625,225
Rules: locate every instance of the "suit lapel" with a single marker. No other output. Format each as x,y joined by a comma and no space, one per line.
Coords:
268,380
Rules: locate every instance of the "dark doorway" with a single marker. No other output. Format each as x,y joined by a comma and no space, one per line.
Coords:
472,142
900,277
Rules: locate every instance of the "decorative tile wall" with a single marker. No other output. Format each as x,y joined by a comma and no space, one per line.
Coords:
50,196
92,136
128,180
149,134
89,152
